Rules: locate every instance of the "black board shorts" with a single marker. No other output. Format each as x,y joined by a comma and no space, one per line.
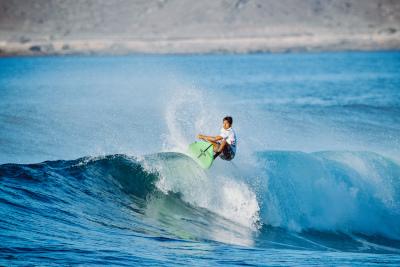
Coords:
227,153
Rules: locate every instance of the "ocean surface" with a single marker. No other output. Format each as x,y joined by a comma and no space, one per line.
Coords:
93,169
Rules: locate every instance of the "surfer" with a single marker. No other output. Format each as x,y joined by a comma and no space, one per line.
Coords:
224,144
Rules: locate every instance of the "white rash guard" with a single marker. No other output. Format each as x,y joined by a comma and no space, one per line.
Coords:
230,136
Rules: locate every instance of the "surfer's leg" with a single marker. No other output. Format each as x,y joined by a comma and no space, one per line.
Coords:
222,145
219,148
215,145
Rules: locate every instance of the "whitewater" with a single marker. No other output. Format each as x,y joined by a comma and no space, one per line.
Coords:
94,169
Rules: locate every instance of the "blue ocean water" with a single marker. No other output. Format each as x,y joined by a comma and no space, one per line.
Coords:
93,168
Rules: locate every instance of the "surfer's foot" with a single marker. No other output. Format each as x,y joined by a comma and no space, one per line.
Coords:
217,154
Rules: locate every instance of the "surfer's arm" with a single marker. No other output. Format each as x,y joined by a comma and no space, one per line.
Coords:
210,138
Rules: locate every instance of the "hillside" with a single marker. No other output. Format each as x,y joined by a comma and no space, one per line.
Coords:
178,26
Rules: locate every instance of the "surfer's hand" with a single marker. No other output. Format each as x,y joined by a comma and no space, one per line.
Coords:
200,136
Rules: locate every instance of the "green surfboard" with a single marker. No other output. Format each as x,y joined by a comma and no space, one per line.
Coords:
202,153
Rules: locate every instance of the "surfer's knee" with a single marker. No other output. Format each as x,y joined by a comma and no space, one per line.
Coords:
215,146
222,144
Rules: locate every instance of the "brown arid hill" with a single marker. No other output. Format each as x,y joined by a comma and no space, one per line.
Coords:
39,27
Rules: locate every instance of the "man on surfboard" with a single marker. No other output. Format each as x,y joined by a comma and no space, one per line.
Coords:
224,144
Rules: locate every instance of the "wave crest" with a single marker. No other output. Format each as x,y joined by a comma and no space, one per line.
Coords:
331,191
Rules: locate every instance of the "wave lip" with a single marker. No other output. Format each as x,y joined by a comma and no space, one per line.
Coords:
225,196
356,192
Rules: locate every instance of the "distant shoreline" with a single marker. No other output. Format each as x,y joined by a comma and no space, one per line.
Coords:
240,45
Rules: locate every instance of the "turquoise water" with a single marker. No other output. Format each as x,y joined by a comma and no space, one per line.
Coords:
93,168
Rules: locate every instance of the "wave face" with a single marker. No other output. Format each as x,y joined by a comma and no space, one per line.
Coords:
298,204
164,195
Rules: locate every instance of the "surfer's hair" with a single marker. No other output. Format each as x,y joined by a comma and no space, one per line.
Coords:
228,119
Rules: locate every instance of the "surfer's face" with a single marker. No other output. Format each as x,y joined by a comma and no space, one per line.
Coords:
226,125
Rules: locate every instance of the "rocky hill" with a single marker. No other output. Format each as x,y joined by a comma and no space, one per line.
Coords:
190,26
